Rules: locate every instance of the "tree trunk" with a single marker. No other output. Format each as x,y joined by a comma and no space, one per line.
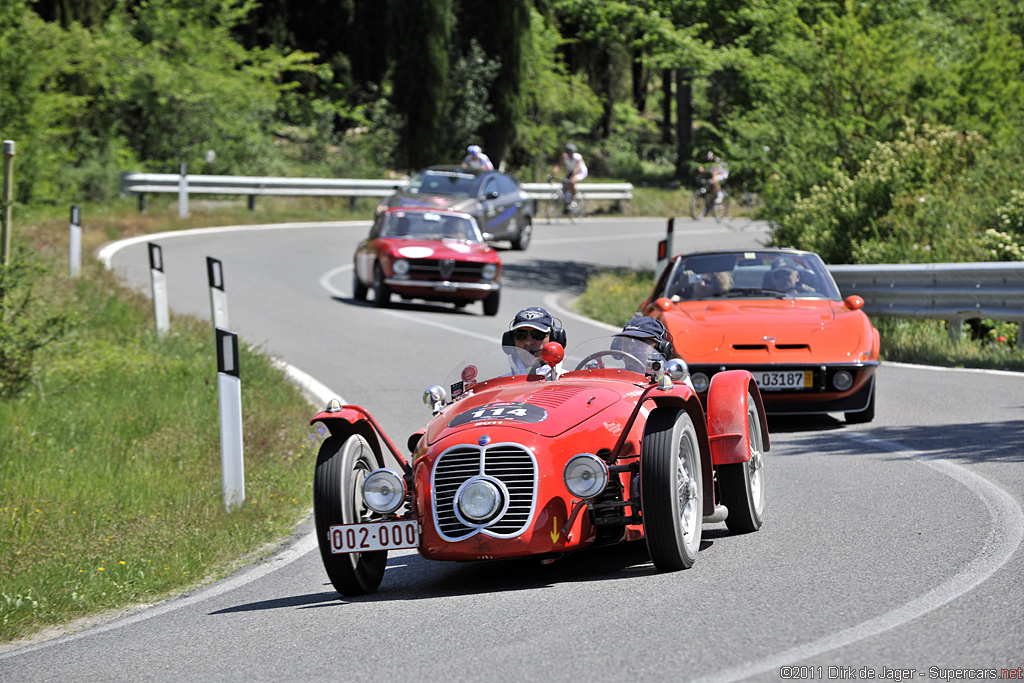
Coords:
684,125
666,106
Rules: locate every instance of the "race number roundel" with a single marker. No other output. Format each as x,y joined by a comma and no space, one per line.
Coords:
505,412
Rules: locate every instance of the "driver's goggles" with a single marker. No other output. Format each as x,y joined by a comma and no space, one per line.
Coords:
536,335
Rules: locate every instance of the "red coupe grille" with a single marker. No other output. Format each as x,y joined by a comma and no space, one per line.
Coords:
432,269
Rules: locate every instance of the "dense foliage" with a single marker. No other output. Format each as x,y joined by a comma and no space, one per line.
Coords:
816,104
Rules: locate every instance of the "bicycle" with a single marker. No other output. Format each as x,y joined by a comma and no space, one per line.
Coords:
704,201
562,204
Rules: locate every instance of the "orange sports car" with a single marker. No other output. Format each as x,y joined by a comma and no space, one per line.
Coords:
779,314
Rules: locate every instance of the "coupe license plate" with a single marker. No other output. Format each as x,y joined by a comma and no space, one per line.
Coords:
446,287
775,379
359,538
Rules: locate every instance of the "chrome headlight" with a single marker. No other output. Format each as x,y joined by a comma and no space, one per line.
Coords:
489,272
384,491
585,475
842,380
700,382
478,500
401,266
677,369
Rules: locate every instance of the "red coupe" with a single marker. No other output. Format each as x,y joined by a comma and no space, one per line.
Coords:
612,445
427,254
778,314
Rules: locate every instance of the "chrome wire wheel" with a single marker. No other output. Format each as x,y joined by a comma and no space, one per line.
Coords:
741,485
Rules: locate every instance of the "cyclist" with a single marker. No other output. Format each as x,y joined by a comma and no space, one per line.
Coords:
477,159
719,171
575,169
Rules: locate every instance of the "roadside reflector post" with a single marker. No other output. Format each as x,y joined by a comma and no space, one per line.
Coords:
229,392
7,203
75,251
159,280
183,192
218,299
665,248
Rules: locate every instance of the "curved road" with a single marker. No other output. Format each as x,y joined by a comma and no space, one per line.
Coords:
891,545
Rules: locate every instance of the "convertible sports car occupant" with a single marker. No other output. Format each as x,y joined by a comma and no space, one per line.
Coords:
530,330
617,448
427,254
778,314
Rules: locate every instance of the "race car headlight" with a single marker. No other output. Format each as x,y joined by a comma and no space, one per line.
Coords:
401,266
842,380
585,475
700,382
489,272
384,491
479,500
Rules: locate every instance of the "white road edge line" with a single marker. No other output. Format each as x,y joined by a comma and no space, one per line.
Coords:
1002,542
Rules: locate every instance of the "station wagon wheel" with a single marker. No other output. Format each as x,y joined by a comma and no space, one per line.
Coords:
520,241
341,467
671,489
358,288
381,292
742,484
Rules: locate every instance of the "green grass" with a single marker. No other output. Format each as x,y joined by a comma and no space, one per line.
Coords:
110,489
613,296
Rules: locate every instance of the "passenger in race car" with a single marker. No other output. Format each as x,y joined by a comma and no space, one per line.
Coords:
530,330
647,340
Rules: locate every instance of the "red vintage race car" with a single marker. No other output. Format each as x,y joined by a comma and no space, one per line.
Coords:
778,314
430,254
529,458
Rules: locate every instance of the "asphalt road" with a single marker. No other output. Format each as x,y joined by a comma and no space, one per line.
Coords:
891,545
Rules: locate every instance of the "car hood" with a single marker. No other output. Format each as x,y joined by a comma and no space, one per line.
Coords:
543,408
433,201
439,249
776,331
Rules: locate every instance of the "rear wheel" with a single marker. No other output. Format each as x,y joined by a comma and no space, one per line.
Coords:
522,240
358,288
671,490
742,484
381,292
341,467
578,209
491,303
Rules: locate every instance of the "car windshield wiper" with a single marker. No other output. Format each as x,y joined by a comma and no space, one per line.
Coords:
751,292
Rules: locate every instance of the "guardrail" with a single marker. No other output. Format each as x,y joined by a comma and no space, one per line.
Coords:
142,184
953,292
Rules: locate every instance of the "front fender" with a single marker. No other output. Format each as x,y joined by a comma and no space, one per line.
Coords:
728,398
344,420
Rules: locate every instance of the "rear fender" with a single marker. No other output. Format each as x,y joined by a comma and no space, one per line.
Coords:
727,416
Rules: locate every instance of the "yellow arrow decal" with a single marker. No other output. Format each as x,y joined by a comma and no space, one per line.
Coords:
554,533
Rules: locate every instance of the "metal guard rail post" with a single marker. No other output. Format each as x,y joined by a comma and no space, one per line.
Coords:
142,184
953,292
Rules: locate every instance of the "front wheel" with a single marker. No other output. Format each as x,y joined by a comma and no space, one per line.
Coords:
866,415
720,209
491,303
577,209
698,204
341,467
553,207
671,489
742,484
522,240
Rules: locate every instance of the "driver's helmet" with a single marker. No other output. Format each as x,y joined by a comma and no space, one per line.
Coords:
474,149
570,149
647,340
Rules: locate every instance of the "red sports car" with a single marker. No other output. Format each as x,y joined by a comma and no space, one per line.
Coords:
778,314
612,445
427,254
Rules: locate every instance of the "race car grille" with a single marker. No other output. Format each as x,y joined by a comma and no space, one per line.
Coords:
432,269
511,465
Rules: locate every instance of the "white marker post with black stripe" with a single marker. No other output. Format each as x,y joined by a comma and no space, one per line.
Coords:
229,391
218,299
183,192
75,252
156,276
665,248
